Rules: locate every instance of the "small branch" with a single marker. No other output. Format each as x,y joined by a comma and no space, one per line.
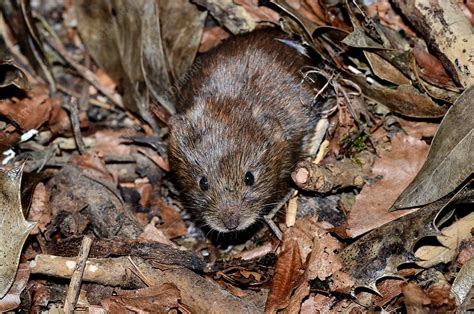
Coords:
76,278
73,110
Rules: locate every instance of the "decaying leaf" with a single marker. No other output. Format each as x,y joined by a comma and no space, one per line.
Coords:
14,229
379,253
450,160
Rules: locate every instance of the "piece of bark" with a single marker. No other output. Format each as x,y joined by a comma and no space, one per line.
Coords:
199,294
156,254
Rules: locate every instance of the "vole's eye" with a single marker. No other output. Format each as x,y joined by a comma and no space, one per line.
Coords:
249,179
203,184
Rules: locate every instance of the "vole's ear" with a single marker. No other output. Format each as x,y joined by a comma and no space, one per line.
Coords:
178,123
184,130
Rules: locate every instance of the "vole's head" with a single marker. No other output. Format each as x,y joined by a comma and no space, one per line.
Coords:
230,164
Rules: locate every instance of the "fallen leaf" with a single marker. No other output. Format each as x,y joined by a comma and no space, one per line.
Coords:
379,253
288,271
450,160
40,212
110,142
29,112
12,299
14,227
397,168
317,304
212,37
463,285
182,24
450,239
405,99
385,70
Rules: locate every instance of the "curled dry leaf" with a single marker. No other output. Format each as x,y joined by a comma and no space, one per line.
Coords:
14,227
397,167
450,160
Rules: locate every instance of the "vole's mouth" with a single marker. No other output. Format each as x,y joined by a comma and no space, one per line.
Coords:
230,225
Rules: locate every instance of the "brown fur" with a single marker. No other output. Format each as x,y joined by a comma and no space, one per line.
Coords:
243,112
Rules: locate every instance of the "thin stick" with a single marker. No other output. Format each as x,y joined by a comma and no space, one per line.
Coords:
76,278
73,110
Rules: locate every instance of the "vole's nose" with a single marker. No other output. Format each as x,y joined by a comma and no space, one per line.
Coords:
231,218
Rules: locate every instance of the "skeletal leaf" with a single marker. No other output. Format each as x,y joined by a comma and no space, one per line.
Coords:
450,159
14,229
379,253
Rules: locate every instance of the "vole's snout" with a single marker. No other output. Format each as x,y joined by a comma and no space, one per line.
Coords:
230,217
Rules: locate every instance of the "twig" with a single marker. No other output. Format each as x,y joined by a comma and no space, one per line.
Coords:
73,110
76,278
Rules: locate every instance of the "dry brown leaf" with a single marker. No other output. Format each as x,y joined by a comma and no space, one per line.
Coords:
212,37
153,234
415,298
317,304
172,223
109,142
431,69
398,167
385,70
40,212
30,112
288,271
323,261
419,129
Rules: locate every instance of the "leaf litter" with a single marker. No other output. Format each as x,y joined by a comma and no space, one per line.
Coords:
103,170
